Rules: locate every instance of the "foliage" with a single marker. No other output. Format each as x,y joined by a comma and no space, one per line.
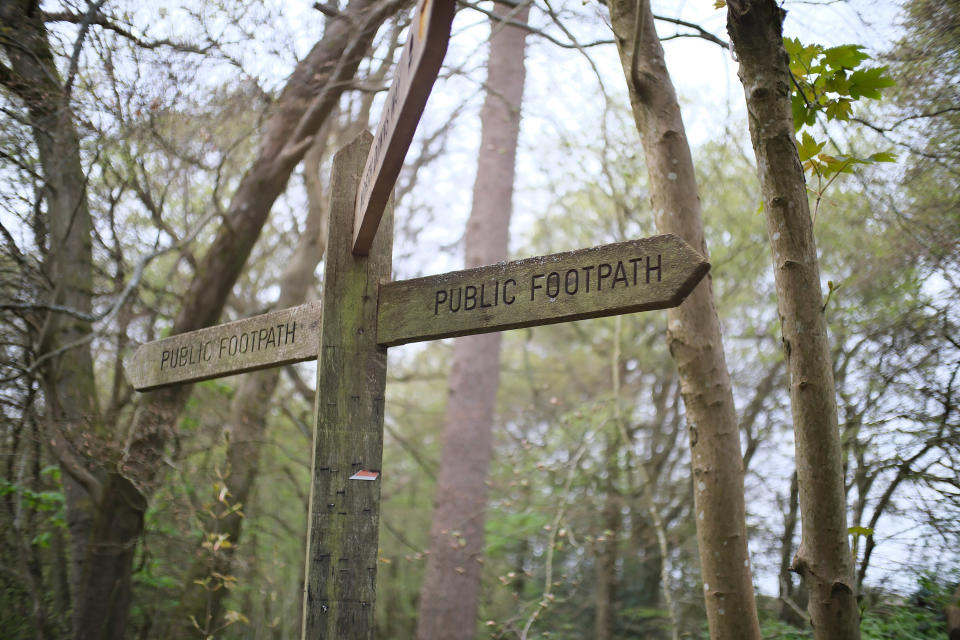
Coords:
828,82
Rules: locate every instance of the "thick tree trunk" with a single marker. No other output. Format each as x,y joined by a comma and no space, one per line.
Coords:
75,429
448,598
823,559
693,333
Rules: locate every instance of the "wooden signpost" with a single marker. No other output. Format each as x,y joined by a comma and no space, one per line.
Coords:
416,72
363,313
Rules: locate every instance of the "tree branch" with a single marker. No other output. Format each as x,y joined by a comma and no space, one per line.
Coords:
700,31
526,27
101,20
77,46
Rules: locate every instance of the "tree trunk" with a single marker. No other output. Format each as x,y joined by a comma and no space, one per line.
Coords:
952,612
693,333
606,552
448,597
789,607
73,417
823,559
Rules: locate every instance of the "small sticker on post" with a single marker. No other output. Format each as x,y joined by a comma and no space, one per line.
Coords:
365,475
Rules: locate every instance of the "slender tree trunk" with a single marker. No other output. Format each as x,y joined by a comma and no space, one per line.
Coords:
448,597
693,333
789,604
823,559
607,552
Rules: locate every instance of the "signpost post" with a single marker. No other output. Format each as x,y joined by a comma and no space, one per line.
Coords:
363,314
344,517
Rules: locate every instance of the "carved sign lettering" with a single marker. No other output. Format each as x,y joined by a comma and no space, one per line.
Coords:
269,340
639,275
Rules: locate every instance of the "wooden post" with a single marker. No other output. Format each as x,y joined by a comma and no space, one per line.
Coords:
344,516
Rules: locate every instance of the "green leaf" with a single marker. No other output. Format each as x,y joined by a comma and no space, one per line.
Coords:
800,111
884,156
808,147
860,531
839,109
867,83
42,540
833,165
847,56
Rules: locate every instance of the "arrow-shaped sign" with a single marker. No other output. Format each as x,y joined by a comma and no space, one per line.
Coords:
639,275
416,72
269,340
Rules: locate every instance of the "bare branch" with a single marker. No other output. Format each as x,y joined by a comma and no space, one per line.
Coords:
700,32
77,46
526,27
101,20
56,308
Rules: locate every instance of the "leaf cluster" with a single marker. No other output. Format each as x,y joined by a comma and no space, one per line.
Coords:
827,166
829,80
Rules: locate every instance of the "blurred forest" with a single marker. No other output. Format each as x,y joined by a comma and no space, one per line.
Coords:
165,167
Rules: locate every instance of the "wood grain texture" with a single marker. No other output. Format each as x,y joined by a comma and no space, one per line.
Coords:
638,275
341,563
268,340
415,74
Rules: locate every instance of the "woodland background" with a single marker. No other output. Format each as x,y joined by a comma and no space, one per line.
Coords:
172,129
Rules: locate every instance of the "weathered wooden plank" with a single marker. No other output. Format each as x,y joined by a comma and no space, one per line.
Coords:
415,74
341,563
638,275
268,340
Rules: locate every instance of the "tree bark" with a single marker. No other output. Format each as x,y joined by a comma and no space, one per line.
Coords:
693,333
448,597
823,560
